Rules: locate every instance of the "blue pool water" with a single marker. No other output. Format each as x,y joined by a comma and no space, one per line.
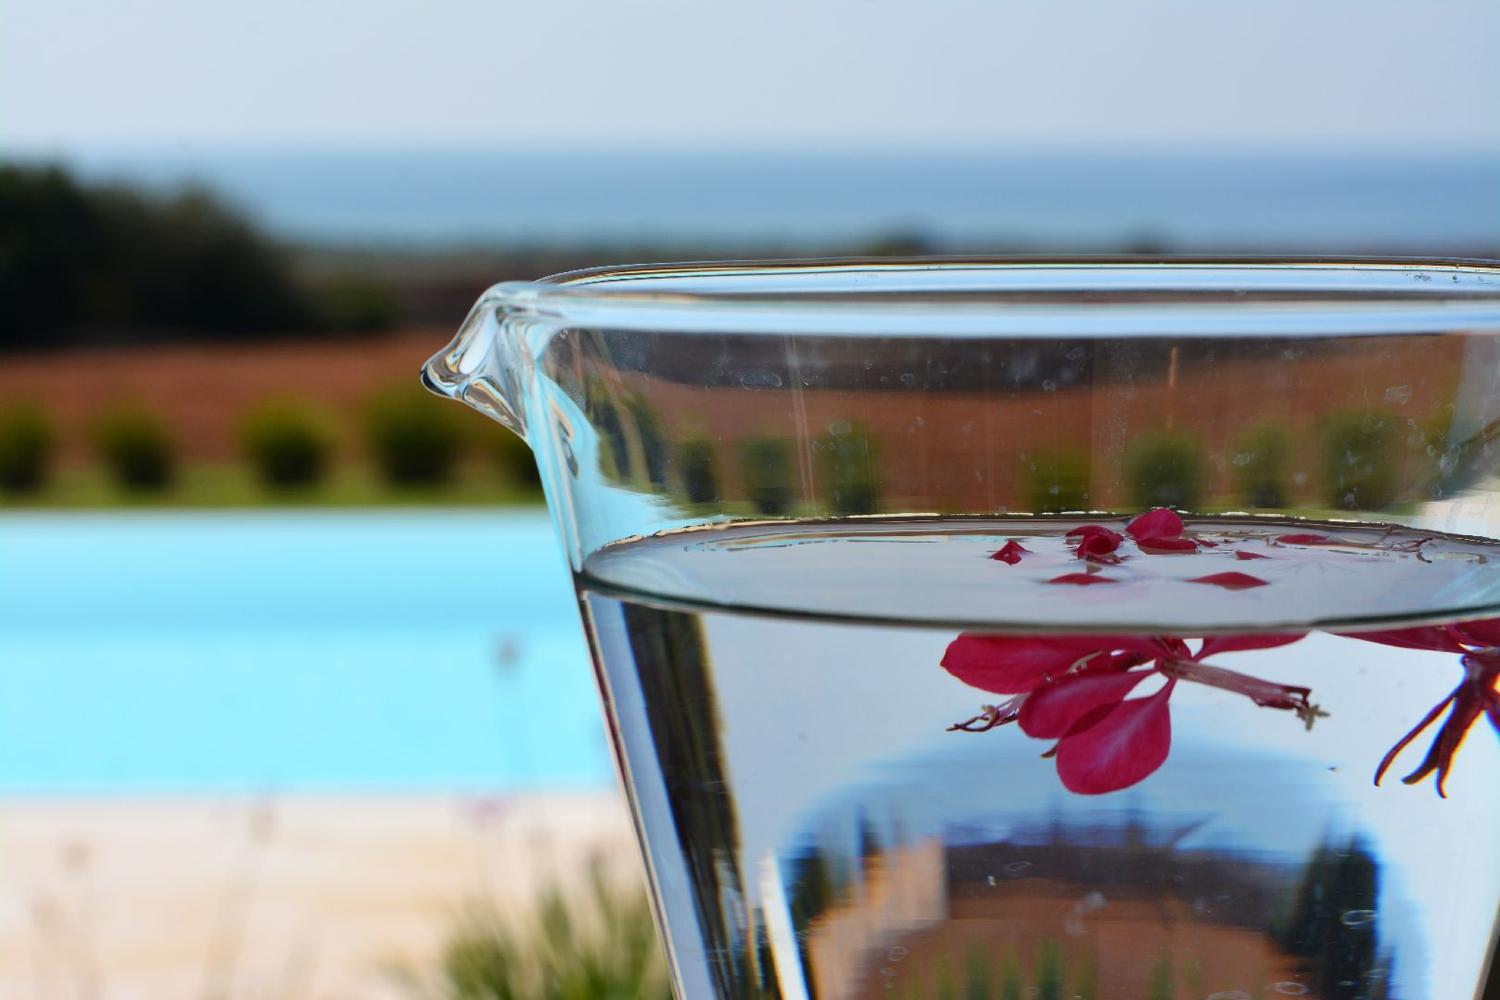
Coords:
170,652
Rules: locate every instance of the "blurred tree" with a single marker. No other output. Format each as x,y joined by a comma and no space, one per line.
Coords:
1011,986
947,987
287,442
1260,464
1333,922
1050,971
136,447
1055,481
359,303
1361,462
26,444
899,244
653,439
1165,469
977,975
190,263
511,454
52,251
412,436
766,470
1160,985
698,466
76,258
850,464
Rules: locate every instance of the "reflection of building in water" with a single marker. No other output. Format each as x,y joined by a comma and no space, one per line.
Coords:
903,887
1107,911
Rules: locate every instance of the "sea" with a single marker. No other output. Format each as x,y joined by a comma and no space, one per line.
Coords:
1079,200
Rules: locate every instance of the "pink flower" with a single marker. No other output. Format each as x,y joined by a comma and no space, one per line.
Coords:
1073,689
1475,696
1096,543
1158,546
1082,579
1304,540
1230,580
1159,531
1011,552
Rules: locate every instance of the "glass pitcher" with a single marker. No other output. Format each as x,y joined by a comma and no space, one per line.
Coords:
993,628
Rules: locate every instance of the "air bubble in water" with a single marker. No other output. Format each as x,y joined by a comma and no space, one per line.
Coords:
1016,868
1357,918
1290,989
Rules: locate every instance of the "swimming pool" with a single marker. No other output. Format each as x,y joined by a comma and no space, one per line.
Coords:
173,652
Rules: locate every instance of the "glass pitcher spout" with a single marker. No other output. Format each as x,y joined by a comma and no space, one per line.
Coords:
487,363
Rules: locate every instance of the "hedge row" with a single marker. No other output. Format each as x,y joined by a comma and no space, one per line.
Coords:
412,438
415,439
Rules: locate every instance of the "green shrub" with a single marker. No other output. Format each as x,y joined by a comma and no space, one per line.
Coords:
1260,465
136,448
356,302
1165,469
766,469
511,454
286,442
412,436
653,440
1012,986
1360,460
1159,986
698,469
1050,971
977,977
609,419
850,466
602,946
26,446
1056,481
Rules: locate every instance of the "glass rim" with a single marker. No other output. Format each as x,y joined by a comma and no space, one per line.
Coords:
1022,296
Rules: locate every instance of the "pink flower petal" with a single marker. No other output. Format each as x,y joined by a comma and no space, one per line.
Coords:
1011,552
1481,633
1304,540
1238,643
1242,554
1162,522
1090,530
1125,746
1156,545
1096,542
1142,653
1431,637
1230,580
1053,709
1003,664
1081,579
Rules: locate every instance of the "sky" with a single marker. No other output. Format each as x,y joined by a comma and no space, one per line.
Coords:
1347,74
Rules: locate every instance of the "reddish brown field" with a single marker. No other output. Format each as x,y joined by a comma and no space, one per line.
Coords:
203,390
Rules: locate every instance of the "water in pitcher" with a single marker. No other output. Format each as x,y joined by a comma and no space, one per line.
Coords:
1138,759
